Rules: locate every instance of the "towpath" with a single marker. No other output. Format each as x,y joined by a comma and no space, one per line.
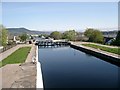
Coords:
19,75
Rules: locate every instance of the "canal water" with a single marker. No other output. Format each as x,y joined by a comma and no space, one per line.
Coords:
65,67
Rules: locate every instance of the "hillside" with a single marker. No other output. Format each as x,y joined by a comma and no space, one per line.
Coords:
18,31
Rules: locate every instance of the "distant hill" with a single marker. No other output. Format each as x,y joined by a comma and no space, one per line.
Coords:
18,31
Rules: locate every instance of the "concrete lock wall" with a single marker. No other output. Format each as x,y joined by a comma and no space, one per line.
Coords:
109,58
39,81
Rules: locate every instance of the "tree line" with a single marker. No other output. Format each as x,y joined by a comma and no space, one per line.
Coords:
69,35
93,35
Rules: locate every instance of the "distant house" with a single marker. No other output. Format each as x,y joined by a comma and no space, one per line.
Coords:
42,37
81,37
12,38
34,35
109,35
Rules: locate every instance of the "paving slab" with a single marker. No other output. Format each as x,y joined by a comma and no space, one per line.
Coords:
20,75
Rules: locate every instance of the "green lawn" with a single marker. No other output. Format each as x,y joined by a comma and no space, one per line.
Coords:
19,56
112,50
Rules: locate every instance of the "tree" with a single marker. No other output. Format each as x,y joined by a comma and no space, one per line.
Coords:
0,35
3,35
88,33
70,35
94,35
98,37
45,35
117,40
23,37
56,35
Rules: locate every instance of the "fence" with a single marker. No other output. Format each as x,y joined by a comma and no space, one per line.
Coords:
6,48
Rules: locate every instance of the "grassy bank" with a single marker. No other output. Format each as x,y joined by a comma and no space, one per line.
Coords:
111,50
19,56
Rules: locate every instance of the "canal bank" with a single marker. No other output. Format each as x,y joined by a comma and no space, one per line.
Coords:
39,80
110,57
20,75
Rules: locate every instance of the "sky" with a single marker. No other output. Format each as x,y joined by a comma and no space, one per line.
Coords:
60,16
60,0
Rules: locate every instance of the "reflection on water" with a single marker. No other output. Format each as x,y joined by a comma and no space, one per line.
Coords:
65,67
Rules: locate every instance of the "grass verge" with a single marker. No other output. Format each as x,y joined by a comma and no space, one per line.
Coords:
111,50
19,56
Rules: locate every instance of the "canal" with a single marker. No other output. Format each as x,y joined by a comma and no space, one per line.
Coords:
65,67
